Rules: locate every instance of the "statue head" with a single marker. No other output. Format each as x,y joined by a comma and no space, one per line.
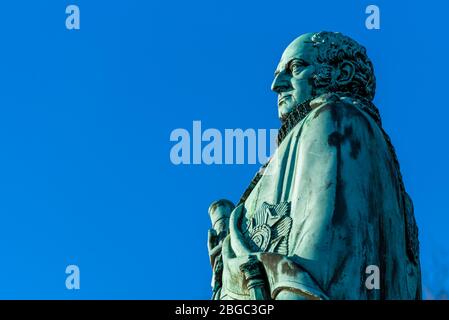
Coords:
317,63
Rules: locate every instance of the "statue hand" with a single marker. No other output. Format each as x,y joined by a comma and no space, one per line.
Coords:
213,246
288,294
211,239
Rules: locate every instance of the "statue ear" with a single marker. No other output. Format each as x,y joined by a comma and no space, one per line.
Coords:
345,72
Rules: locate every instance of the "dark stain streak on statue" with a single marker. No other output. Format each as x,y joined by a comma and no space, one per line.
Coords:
336,139
338,217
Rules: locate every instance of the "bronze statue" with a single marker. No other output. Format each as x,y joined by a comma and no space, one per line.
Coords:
330,205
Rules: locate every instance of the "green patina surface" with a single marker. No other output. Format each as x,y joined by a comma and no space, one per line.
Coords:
330,204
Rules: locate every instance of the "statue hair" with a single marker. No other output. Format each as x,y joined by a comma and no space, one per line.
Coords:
333,48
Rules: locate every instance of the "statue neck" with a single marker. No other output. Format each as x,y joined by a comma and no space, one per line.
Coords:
293,118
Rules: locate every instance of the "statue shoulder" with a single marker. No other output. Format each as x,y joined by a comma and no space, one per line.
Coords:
335,112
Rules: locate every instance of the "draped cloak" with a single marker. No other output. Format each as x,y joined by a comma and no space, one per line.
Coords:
329,205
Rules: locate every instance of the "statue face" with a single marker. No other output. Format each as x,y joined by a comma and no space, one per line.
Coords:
293,80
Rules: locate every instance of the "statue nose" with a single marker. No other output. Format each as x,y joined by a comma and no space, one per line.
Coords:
280,83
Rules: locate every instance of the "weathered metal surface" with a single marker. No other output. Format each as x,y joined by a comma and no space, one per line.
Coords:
331,201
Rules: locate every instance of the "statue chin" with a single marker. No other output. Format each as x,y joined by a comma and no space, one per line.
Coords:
288,106
284,110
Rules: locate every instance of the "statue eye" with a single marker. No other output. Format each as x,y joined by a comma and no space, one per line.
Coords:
296,66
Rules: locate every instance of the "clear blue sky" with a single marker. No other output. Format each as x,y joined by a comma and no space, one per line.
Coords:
85,120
